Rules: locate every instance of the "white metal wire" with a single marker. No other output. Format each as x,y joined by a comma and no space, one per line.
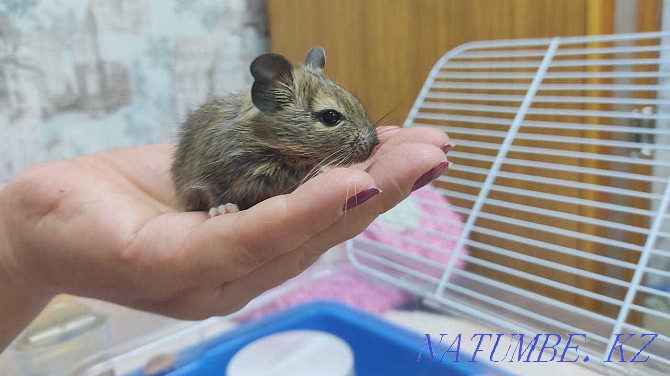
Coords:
562,178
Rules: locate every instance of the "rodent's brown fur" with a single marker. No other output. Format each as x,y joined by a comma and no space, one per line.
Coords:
232,151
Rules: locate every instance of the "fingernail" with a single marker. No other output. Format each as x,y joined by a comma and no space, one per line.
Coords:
447,148
431,175
361,197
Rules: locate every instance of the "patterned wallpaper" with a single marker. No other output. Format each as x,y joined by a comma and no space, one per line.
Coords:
78,76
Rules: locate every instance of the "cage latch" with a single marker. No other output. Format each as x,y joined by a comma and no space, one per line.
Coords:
646,139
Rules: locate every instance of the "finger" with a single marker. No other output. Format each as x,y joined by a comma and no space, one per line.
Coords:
386,132
232,245
424,163
410,162
420,134
396,173
401,136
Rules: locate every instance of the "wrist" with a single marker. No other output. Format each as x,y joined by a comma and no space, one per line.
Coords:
20,299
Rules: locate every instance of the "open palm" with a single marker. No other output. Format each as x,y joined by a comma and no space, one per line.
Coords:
108,226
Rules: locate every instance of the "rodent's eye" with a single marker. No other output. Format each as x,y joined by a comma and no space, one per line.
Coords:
330,117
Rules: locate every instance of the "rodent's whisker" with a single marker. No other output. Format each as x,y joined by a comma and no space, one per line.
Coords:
382,123
384,131
346,197
384,117
313,172
395,182
338,160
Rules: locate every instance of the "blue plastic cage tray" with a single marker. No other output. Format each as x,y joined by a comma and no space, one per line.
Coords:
379,347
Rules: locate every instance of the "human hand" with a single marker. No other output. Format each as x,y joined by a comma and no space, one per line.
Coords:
108,226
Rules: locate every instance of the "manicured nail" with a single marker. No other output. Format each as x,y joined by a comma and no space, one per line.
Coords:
431,175
447,148
361,197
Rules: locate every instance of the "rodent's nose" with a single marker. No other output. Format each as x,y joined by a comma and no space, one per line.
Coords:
374,137
374,145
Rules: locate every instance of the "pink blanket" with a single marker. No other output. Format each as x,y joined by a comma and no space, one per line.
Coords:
423,225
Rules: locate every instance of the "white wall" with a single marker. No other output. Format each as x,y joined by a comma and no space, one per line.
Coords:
80,76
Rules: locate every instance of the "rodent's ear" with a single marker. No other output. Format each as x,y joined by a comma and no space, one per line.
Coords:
316,58
269,71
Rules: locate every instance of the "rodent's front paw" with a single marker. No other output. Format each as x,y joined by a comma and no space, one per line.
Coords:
223,209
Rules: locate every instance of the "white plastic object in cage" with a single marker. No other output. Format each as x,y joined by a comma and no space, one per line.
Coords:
562,175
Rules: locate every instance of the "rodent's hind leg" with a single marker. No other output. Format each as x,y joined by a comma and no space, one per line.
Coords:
197,198
223,209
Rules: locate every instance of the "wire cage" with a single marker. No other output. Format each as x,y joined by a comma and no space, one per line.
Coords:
562,177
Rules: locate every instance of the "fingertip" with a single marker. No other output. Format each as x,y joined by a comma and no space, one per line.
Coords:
386,132
343,179
421,134
430,133
401,168
314,205
411,155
